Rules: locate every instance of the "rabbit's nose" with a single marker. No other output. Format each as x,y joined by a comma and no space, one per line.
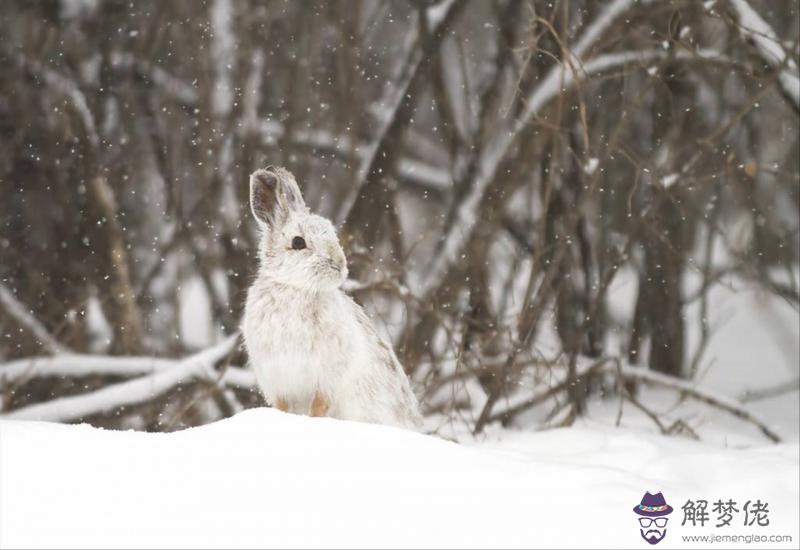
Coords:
336,255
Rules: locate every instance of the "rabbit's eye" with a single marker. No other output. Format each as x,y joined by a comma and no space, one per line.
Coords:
298,243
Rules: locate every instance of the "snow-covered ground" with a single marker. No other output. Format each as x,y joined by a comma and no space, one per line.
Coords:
268,479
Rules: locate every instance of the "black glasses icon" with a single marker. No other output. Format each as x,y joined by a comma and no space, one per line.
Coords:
647,522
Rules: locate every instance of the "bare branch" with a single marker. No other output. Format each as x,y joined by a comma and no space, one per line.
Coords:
611,366
497,149
705,396
382,152
16,310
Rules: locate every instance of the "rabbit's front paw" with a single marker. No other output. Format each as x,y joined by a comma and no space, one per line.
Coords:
319,406
281,404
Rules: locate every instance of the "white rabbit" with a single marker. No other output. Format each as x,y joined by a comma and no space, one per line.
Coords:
313,349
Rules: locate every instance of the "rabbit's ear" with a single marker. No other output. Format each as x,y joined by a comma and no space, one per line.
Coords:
290,191
273,195
264,196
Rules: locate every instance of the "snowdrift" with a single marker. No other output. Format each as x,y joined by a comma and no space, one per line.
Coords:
268,479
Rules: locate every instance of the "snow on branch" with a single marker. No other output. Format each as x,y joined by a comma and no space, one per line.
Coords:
78,364
239,377
755,30
138,390
15,309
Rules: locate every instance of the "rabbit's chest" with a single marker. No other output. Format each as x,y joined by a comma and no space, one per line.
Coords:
295,348
307,336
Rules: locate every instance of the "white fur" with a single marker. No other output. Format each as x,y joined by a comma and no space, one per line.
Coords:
303,334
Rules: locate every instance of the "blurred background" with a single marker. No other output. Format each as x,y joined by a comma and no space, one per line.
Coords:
556,210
